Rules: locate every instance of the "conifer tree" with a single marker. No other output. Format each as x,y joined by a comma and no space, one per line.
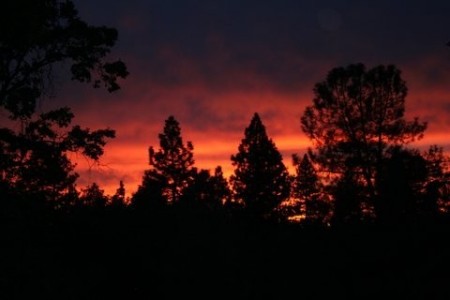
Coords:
118,199
149,195
172,164
357,117
220,187
437,185
210,191
93,196
260,180
307,189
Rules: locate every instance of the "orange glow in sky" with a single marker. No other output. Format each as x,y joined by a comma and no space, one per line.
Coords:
213,64
217,128
214,140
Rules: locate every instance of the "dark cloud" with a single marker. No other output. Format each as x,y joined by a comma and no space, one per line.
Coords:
284,43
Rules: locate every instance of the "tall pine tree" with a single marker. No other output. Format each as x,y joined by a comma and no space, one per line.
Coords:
172,164
260,180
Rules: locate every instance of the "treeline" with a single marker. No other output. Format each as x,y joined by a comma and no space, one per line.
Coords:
360,167
359,170
329,187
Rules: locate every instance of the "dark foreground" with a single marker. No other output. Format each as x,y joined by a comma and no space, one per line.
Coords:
127,255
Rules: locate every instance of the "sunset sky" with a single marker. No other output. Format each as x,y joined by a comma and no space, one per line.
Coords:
212,64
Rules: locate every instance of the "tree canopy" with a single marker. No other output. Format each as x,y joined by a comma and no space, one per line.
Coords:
36,38
357,115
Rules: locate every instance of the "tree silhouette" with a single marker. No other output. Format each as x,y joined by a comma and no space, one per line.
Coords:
356,117
149,195
307,188
220,188
173,163
260,180
93,196
437,185
35,37
35,161
211,192
118,199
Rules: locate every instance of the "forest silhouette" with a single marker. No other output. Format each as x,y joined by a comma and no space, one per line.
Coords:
365,214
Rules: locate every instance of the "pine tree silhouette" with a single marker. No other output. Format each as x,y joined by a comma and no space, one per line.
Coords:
307,188
357,116
260,180
118,199
172,164
93,196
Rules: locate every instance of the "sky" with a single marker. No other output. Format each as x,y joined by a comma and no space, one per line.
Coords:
213,64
